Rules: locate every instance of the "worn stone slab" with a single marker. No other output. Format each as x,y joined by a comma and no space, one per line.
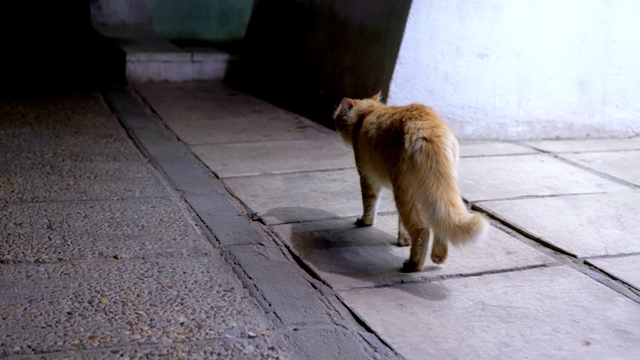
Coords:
259,347
64,146
212,108
59,112
347,257
623,165
78,181
547,313
583,225
625,268
504,177
60,231
174,67
304,196
493,148
272,157
85,305
334,343
293,300
586,145
247,129
203,90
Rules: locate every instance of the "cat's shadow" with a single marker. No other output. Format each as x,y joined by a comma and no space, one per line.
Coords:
346,256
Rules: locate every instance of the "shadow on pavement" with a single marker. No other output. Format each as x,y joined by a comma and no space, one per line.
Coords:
367,255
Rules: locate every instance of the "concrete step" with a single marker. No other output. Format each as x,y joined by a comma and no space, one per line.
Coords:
149,57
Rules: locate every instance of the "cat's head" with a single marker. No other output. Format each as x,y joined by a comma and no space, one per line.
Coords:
350,111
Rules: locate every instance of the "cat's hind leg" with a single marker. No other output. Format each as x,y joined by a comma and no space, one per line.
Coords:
418,229
370,196
440,249
403,236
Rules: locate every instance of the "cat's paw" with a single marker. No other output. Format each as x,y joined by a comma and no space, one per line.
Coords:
361,222
438,258
410,266
403,239
439,252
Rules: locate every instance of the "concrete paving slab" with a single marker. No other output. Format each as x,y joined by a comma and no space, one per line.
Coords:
67,146
78,181
625,268
546,313
347,257
586,145
60,231
293,300
583,225
88,305
62,111
258,347
214,108
504,177
199,90
623,165
272,157
493,148
246,129
304,196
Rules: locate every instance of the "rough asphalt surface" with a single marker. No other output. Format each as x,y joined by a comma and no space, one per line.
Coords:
113,248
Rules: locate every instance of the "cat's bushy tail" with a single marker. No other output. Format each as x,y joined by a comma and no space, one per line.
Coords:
450,217
460,226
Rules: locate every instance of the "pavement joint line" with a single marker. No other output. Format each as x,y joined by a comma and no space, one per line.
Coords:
446,277
558,156
562,256
611,256
331,218
578,152
596,172
287,172
611,281
495,155
525,197
123,103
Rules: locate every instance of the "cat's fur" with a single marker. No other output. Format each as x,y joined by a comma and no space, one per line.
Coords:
411,150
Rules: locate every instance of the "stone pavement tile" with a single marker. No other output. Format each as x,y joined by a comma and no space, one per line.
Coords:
546,313
106,304
65,111
72,230
24,146
348,257
240,106
503,177
624,165
321,153
583,225
198,90
493,148
334,343
586,145
304,196
271,127
625,268
259,347
47,181
291,297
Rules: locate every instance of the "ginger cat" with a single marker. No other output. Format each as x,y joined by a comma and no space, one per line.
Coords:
411,150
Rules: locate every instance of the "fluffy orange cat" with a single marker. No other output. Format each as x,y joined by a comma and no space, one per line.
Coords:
411,150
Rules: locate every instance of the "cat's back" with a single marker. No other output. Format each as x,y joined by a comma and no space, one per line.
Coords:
401,124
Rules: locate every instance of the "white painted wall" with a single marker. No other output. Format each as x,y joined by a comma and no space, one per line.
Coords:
522,69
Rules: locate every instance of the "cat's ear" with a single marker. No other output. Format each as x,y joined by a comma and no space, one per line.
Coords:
347,104
376,97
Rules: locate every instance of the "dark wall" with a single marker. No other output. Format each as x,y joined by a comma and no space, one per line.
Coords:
52,44
305,55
